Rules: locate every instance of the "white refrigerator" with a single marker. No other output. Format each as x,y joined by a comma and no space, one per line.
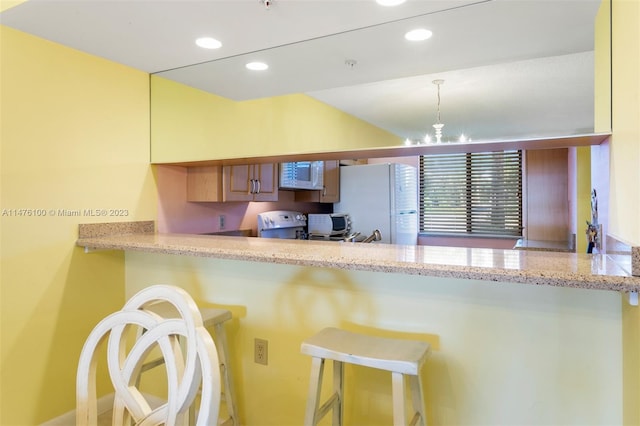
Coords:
381,196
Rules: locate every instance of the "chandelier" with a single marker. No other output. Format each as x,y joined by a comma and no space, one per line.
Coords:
438,126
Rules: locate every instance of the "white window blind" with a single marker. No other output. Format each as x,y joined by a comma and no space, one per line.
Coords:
471,193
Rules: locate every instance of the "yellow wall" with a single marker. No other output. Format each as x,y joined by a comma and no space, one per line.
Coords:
189,125
7,4
624,191
586,178
602,69
583,197
504,354
75,135
625,143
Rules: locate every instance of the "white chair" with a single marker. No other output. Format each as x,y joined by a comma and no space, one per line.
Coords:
403,358
196,368
212,318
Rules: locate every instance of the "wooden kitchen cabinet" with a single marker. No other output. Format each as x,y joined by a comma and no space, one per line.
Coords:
546,201
331,189
255,182
204,184
252,182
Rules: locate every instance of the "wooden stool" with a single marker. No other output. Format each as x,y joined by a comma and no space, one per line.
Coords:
400,357
211,318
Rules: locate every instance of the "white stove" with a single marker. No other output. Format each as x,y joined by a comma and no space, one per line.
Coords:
284,224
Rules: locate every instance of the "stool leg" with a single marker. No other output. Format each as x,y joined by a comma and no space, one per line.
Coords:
418,398
397,386
315,386
338,389
223,357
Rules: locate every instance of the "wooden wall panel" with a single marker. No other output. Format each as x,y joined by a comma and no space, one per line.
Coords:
547,201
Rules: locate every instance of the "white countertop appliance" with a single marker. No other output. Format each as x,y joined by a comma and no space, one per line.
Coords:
284,224
381,197
302,175
328,225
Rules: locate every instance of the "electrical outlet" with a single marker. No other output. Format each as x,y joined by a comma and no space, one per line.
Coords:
261,351
221,220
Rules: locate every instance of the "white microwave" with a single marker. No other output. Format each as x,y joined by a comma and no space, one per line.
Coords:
302,175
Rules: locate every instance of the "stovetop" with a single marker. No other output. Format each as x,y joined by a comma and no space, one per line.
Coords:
281,224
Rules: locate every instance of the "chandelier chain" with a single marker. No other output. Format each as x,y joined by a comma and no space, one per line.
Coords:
438,126
438,104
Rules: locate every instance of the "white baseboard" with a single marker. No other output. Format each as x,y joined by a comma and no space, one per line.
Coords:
104,405
67,419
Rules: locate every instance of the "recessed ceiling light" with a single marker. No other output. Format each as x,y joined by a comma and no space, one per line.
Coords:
208,43
257,66
389,2
418,34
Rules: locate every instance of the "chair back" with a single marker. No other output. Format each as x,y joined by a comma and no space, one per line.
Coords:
188,350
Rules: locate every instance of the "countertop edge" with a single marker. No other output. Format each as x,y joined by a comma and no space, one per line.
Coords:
224,250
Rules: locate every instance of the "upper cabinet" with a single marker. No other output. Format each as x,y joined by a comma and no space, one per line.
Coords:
204,184
254,182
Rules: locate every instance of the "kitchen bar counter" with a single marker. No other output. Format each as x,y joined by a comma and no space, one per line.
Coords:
595,271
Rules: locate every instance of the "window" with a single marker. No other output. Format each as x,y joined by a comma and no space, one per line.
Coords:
471,193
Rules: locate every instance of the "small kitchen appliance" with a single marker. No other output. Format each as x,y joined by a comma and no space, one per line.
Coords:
328,225
283,224
302,175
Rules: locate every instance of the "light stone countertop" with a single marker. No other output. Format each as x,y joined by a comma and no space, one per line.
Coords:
523,244
588,271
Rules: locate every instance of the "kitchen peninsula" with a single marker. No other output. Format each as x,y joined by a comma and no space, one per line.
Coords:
596,271
496,319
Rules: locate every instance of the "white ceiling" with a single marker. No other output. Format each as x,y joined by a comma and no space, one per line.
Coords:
511,67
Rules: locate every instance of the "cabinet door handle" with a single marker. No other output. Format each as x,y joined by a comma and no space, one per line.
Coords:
258,182
324,191
253,186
